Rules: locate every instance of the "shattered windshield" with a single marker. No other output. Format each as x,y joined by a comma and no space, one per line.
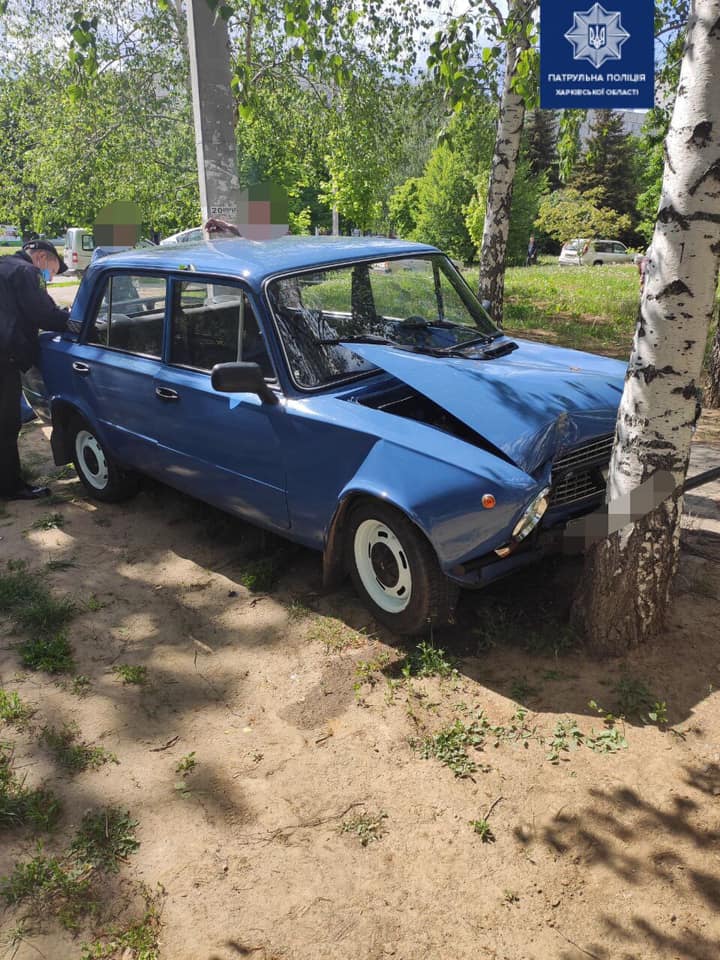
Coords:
418,303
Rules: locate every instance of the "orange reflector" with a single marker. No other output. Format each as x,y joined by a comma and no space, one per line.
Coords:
488,501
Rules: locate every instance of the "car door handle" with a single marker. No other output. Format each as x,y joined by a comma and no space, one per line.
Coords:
79,367
165,393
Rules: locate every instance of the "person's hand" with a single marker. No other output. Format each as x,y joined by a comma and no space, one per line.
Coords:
214,227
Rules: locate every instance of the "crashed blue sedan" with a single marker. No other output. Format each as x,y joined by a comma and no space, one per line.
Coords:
349,394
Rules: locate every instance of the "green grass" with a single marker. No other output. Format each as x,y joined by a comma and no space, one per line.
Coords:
64,886
20,805
12,708
259,576
130,674
71,753
41,616
105,838
367,827
137,941
426,660
586,308
450,746
50,521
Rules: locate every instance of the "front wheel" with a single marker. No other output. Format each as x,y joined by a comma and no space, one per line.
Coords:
395,571
101,476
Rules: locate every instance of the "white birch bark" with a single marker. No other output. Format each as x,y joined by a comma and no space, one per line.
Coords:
628,576
491,284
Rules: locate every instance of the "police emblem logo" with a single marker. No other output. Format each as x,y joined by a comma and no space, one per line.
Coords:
597,35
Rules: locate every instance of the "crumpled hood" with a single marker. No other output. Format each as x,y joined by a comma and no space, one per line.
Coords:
529,404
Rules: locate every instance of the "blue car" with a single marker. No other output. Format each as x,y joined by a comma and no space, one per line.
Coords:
350,394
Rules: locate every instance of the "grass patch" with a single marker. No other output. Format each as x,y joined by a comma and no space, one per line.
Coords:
483,829
586,308
334,635
187,764
12,708
259,576
52,654
131,674
365,826
137,941
105,839
59,564
50,886
63,886
426,660
19,805
450,746
39,614
49,521
72,754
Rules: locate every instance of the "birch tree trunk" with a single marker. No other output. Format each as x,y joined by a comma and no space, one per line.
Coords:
491,284
626,585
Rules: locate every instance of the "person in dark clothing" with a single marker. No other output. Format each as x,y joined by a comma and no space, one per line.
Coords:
532,251
25,309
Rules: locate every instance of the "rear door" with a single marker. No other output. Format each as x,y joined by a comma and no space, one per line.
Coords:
222,448
116,361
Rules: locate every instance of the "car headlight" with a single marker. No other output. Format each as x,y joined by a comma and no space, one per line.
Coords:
532,516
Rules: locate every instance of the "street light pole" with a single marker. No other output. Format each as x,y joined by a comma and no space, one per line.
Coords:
213,113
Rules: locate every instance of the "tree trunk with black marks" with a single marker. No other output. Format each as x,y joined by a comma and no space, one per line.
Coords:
491,284
625,592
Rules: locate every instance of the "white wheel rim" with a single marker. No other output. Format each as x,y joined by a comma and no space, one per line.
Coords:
91,460
383,566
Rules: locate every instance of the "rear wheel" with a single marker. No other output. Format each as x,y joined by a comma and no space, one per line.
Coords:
101,476
597,263
394,569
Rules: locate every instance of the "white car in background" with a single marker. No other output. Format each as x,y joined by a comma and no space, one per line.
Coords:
594,253
185,236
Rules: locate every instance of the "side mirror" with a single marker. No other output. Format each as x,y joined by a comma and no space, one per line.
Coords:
241,378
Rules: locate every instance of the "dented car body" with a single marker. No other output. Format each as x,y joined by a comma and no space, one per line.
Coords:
349,394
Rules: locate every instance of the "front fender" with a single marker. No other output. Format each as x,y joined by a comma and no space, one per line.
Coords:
444,500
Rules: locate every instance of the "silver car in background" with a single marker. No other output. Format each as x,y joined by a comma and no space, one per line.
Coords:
594,253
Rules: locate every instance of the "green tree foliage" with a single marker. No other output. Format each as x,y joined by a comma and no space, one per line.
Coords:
540,145
447,185
527,195
403,208
444,190
608,165
568,213
108,119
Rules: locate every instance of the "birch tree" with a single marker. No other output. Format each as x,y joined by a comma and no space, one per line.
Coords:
628,576
451,57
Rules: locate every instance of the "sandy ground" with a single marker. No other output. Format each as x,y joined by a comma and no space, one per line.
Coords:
299,720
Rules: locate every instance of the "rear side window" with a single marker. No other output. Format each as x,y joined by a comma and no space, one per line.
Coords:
131,315
87,242
215,323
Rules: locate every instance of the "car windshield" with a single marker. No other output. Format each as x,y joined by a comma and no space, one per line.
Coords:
419,303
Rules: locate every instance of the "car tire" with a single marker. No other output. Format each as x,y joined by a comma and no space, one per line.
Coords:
102,478
394,569
597,263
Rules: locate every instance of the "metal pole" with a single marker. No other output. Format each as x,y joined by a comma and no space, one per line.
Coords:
213,113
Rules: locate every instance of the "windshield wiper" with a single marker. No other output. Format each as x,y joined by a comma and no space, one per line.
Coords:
454,347
361,338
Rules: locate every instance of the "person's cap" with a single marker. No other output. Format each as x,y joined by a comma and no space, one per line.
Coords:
49,248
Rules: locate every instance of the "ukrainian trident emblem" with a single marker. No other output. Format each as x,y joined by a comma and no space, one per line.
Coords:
597,36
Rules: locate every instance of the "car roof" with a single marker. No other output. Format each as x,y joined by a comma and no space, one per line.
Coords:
255,261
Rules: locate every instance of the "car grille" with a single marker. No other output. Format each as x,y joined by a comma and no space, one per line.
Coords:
577,474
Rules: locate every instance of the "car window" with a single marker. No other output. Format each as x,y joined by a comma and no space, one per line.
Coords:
602,246
619,248
411,302
87,242
131,315
215,323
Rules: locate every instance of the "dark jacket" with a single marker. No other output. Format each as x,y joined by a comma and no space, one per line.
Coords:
25,308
